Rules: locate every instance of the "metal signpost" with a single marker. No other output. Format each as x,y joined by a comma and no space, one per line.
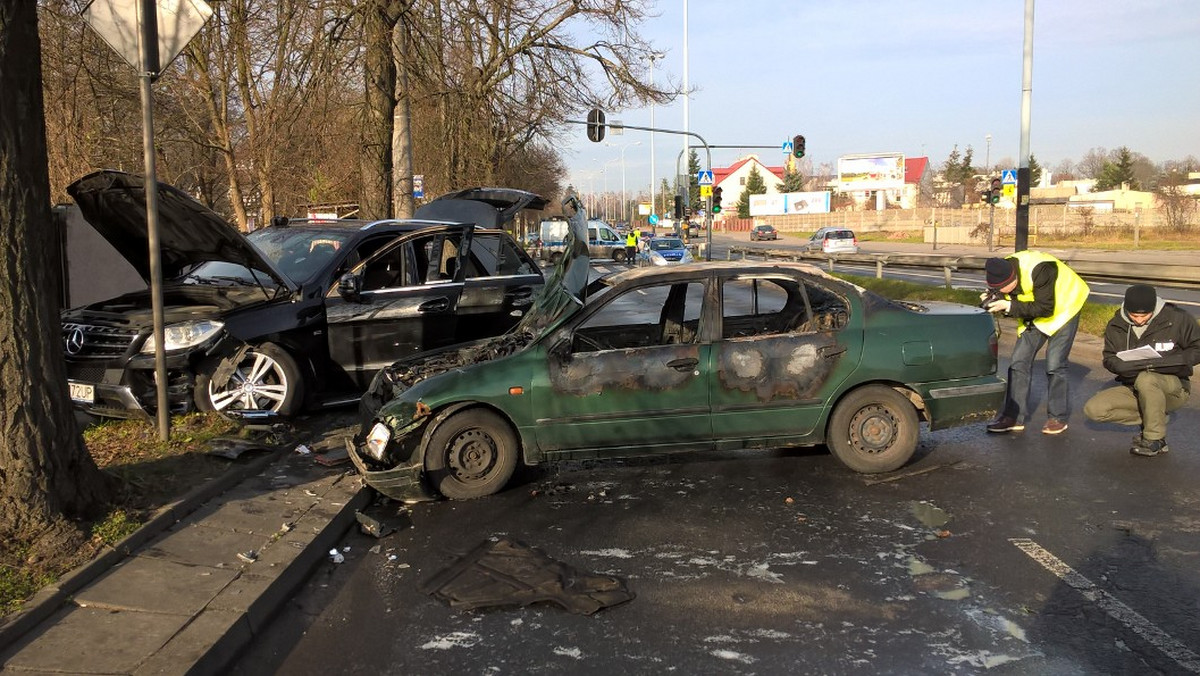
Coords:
149,34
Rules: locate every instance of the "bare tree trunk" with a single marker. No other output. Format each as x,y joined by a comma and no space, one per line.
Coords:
47,473
380,77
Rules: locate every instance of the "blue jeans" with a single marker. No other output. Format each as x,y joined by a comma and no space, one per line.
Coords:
1058,349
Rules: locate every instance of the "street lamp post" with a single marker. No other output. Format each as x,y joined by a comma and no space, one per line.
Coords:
987,158
653,56
625,215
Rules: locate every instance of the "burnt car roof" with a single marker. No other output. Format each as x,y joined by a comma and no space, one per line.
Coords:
114,203
486,207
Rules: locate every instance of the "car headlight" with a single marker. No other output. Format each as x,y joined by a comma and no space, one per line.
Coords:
687,257
377,440
184,335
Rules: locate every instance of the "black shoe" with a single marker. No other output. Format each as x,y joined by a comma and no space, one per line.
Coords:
1149,448
1005,424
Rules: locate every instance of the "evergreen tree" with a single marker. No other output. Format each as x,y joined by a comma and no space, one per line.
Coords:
754,186
1118,171
793,181
693,181
1035,171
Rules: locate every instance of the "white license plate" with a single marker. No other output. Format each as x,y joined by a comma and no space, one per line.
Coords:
82,392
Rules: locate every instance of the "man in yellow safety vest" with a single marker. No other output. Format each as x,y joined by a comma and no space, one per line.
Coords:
1045,296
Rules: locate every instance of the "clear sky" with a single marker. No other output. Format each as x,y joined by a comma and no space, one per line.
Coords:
915,77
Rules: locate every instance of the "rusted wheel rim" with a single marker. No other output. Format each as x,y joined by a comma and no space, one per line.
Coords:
874,429
472,455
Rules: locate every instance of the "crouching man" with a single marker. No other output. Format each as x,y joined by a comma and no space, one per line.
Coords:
1150,388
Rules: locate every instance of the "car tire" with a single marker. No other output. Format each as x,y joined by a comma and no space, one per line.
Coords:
873,429
618,255
471,454
277,382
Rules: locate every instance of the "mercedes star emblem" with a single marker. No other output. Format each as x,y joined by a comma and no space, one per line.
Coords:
74,341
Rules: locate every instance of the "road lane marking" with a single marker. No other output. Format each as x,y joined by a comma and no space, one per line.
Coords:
1111,605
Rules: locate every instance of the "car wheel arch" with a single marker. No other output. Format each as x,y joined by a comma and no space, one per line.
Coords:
294,401
890,397
438,417
433,476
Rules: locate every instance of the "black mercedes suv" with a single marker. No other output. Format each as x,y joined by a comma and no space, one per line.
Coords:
296,315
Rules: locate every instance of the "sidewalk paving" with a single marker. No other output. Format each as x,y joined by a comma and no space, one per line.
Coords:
194,585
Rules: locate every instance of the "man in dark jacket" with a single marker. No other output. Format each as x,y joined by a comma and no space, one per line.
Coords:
1149,388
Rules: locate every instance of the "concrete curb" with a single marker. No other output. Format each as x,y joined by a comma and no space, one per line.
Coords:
48,600
229,646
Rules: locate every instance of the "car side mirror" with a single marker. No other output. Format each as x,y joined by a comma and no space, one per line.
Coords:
350,287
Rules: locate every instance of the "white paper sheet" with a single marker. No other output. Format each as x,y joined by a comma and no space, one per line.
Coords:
1143,352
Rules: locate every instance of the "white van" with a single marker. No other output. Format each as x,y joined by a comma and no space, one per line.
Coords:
604,242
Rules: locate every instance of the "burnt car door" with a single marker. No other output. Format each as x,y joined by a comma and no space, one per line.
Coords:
499,280
404,301
629,376
786,345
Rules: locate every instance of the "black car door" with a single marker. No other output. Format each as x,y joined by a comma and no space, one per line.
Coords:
499,280
408,303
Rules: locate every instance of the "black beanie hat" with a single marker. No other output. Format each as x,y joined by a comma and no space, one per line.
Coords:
1140,298
1000,271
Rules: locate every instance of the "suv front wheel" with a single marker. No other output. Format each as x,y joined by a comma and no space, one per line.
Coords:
266,378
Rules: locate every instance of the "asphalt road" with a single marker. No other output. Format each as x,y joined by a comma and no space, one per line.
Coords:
1007,554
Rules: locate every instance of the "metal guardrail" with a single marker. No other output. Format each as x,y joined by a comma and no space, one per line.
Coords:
1182,276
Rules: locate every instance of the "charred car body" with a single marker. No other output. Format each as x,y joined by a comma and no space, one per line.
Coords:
717,356
292,315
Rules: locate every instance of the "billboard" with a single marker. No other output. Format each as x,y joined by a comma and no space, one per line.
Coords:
879,171
778,204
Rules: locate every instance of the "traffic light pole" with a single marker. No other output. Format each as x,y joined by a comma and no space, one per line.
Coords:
991,224
596,126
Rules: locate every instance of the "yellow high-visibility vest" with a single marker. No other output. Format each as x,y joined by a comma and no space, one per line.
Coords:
1070,291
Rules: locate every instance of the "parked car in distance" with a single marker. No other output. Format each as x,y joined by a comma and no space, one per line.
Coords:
664,251
707,357
831,240
297,314
763,231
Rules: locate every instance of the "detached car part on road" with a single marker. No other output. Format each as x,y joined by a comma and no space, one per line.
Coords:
292,315
716,356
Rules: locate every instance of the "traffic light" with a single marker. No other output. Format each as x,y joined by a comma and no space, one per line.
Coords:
595,125
678,207
996,191
716,200
798,146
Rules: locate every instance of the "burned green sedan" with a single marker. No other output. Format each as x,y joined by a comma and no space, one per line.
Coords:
698,357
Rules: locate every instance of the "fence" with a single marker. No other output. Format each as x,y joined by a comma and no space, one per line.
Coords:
1053,219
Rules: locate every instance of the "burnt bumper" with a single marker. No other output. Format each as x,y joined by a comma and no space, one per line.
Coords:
405,483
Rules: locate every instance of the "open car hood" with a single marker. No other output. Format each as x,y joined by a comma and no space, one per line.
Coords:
485,207
563,294
114,203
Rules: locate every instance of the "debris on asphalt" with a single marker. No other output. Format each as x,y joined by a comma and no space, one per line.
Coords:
333,457
303,450
511,573
383,518
789,500
248,556
335,556
233,448
906,475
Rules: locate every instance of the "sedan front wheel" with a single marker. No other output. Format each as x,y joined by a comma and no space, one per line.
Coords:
471,454
873,429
